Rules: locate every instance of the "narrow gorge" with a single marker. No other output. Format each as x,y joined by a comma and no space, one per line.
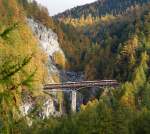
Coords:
48,42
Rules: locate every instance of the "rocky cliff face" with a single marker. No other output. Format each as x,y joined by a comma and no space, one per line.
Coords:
48,42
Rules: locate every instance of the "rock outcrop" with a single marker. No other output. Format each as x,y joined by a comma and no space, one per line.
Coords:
48,42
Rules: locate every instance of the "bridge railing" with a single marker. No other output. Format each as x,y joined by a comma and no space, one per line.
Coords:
68,85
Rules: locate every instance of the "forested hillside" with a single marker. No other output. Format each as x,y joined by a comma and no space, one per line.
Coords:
74,45
22,63
108,39
118,48
107,36
101,8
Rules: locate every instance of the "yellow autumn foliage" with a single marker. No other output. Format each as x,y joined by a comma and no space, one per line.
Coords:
20,42
59,59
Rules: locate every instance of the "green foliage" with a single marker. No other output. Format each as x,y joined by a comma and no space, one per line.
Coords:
19,59
141,123
119,49
115,46
95,118
6,32
8,69
10,93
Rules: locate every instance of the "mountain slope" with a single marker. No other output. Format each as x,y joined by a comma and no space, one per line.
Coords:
114,48
22,63
119,49
108,35
101,8
73,45
17,40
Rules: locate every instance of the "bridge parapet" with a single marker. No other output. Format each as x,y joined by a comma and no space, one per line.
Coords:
82,84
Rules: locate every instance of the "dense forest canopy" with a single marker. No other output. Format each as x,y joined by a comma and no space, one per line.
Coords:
107,36
101,8
105,40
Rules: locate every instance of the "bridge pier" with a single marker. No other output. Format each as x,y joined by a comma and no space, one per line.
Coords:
75,86
73,101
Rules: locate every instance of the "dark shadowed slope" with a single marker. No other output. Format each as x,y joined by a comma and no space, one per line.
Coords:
101,8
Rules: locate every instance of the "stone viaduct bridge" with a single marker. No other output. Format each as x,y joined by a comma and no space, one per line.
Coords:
73,87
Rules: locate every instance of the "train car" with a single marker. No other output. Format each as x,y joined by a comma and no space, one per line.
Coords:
108,81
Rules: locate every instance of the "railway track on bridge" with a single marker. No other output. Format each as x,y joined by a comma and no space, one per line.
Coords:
82,84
